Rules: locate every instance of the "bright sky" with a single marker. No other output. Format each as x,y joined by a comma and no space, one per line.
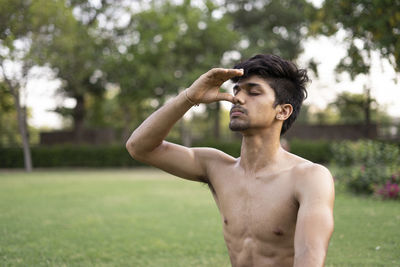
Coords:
328,52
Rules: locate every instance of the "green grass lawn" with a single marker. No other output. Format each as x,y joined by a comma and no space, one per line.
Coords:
149,218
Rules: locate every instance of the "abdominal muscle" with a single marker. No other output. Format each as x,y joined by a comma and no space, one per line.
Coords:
249,251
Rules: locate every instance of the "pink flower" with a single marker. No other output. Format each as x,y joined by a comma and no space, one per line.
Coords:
389,190
393,190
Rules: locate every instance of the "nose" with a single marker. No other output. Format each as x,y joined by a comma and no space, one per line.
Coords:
239,98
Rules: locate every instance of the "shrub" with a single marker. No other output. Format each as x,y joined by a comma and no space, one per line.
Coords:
69,156
373,164
365,152
317,151
390,190
232,148
117,156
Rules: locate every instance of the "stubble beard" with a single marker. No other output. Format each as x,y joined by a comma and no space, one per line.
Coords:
238,125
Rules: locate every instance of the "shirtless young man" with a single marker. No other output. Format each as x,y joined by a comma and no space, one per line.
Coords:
276,208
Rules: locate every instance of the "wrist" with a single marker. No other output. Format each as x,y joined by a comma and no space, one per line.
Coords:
192,102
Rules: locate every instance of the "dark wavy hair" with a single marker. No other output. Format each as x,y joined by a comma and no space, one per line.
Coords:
287,81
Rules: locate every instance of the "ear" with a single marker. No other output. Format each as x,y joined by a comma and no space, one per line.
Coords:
284,111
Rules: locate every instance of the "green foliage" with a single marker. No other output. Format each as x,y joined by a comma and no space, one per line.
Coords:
21,22
315,151
372,163
318,151
8,118
275,26
346,108
163,48
310,115
353,108
366,152
117,156
74,52
369,26
231,148
69,156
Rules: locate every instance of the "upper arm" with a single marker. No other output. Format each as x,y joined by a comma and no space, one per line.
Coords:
188,163
314,227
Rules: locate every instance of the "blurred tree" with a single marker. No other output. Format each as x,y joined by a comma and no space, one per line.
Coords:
359,108
353,108
74,50
163,49
8,118
271,26
304,115
369,25
329,115
20,24
310,114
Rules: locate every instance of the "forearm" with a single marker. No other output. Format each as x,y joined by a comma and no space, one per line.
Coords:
150,134
155,128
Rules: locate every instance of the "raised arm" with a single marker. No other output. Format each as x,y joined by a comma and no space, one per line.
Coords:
314,227
147,143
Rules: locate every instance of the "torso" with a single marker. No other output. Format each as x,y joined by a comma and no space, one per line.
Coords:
258,212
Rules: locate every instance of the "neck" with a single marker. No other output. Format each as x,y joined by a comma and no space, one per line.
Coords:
260,150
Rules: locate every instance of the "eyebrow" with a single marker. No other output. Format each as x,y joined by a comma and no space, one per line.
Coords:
248,86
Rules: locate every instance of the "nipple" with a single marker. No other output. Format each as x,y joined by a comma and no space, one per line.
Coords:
226,221
278,231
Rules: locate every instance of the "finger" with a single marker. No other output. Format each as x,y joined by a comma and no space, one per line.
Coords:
225,74
225,96
235,72
237,101
231,73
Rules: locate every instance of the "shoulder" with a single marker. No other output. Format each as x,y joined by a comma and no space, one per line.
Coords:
305,171
313,179
212,156
310,170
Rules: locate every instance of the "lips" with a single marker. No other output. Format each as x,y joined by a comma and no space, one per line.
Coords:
237,111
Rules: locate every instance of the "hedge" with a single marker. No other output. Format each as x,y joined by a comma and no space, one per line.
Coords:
318,151
69,156
117,156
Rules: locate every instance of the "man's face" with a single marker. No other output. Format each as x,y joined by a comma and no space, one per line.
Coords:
254,107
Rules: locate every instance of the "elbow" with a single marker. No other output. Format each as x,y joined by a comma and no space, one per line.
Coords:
131,146
140,148
137,149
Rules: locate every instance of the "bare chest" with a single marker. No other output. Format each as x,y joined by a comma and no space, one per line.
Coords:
261,208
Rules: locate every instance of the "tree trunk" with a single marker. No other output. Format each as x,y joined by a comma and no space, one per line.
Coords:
186,137
216,127
23,130
128,120
79,116
367,111
21,115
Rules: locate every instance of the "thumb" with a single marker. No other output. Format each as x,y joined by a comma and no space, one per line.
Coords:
225,96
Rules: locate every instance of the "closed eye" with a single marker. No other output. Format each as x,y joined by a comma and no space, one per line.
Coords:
254,93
